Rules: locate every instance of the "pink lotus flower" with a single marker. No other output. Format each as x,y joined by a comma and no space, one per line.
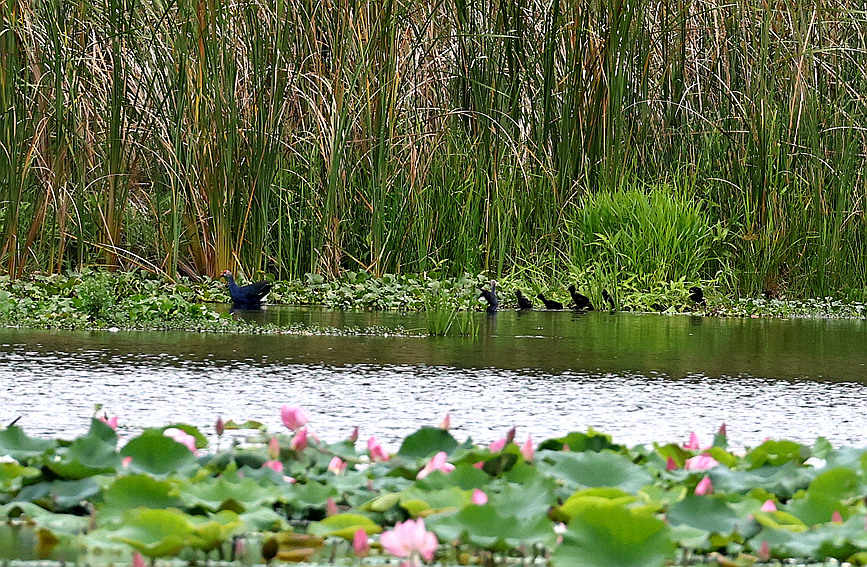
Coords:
409,539
497,445
360,544
181,437
274,448
109,422
375,449
125,462
353,437
566,447
446,423
293,417
289,479
722,430
138,560
670,464
337,465
527,449
274,466
239,549
693,443
299,441
704,486
479,498
764,551
836,517
331,507
769,506
437,463
220,426
700,463
479,465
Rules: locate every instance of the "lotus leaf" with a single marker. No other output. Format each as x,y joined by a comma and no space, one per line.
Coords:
156,454
485,527
611,535
426,442
18,445
343,525
217,494
156,533
585,470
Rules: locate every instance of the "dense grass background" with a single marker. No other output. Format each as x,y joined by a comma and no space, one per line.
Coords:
653,140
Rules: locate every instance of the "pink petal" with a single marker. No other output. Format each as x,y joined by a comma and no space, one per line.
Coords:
109,422
360,543
299,441
138,560
274,466
764,551
479,498
126,461
693,443
294,417
337,466
353,437
497,445
479,465
670,464
722,430
769,506
705,486
181,437
527,449
274,448
331,507
220,426
446,423
836,517
700,463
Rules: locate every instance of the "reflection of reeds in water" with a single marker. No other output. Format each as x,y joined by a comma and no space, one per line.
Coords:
444,319
196,136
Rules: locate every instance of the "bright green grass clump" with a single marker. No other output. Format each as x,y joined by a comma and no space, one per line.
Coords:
580,499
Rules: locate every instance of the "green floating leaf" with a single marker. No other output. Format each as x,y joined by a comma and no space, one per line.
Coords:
245,494
426,442
13,475
485,527
156,533
310,495
706,513
776,453
212,531
136,491
156,454
579,442
62,523
425,502
89,455
592,497
532,498
16,444
61,494
825,496
587,470
610,535
343,525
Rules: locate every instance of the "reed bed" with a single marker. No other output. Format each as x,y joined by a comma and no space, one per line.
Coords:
442,137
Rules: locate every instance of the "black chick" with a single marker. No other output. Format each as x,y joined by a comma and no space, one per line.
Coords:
491,297
524,302
608,299
550,303
582,302
697,296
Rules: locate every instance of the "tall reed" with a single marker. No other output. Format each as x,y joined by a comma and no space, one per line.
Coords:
461,135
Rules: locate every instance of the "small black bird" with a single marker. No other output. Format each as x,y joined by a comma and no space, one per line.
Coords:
550,303
523,301
248,296
491,297
697,296
607,297
582,302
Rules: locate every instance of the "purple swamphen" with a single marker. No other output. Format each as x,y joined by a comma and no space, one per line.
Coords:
248,296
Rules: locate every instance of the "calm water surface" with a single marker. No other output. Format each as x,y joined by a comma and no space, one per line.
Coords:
638,377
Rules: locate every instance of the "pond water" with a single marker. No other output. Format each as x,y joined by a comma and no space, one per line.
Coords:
638,377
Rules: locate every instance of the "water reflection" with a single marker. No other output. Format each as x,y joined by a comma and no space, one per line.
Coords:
639,377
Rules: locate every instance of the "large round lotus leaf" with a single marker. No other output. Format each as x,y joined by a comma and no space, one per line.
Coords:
589,496
585,470
484,527
62,523
13,475
777,453
156,454
424,502
464,476
610,535
426,442
343,525
309,495
212,531
580,442
156,533
137,491
530,499
706,513
16,444
243,495
783,481
263,520
60,494
86,456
